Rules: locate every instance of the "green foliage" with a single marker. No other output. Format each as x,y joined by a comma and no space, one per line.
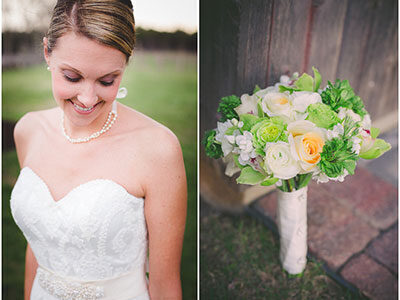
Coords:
212,147
250,176
341,94
317,79
322,115
269,181
226,107
256,89
304,83
249,121
378,148
375,132
295,183
337,156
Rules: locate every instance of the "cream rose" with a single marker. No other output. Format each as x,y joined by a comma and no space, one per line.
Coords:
279,161
306,143
277,104
301,100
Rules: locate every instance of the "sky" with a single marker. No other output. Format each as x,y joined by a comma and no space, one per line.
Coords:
161,15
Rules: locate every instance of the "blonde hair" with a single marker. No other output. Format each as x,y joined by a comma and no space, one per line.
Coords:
110,22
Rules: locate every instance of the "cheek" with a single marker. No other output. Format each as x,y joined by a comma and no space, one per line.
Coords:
61,89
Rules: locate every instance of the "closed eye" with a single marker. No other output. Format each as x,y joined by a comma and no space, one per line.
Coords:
107,83
72,79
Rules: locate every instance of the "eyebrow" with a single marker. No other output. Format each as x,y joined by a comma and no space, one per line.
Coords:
116,72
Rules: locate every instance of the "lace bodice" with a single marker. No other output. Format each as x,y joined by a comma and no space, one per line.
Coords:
97,231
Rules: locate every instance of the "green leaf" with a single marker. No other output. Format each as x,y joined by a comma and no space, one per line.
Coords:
261,113
377,149
250,176
283,88
248,121
269,181
317,79
350,166
256,89
375,132
305,82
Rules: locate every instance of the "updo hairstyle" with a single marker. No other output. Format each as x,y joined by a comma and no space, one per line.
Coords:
110,22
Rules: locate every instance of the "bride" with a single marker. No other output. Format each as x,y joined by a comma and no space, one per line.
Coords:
100,184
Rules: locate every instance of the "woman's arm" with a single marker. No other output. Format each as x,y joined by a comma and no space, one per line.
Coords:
22,133
30,271
165,211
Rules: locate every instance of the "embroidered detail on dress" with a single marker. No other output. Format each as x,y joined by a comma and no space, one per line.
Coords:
66,289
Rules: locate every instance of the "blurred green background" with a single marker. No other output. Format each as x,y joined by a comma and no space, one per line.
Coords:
162,85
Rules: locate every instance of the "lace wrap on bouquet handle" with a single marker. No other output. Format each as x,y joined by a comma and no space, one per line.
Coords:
292,224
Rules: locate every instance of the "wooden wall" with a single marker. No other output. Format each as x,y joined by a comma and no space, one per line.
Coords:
248,42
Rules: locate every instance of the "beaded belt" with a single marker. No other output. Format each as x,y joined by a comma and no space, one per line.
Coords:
124,287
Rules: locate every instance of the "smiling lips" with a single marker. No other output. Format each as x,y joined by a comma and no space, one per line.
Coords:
84,110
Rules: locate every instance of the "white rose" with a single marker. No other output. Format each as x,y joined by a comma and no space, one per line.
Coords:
279,161
301,100
277,104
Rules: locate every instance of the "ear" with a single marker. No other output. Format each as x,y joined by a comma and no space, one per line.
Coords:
46,51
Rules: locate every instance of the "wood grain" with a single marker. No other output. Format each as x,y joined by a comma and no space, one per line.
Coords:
288,38
326,37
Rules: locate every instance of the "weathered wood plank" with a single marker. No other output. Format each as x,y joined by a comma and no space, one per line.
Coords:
326,37
378,85
288,38
219,26
253,37
356,32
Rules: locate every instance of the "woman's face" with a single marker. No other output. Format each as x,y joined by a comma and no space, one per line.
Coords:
85,77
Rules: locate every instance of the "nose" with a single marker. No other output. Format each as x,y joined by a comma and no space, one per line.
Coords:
87,96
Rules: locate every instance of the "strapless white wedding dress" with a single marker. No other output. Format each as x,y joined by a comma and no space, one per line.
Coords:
91,244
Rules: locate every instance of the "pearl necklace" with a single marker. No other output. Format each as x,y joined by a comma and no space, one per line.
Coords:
112,116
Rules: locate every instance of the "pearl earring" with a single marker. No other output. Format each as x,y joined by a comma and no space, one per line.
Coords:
48,68
122,92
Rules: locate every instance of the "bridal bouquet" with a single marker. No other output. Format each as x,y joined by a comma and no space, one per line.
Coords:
287,134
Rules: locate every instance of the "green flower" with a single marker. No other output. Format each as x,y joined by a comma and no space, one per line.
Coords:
212,147
337,155
322,115
341,94
268,131
227,107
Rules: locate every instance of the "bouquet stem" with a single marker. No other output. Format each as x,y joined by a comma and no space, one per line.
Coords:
292,224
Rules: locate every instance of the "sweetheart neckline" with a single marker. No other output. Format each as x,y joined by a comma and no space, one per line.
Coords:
76,187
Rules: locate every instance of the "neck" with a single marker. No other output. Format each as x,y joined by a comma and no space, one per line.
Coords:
97,126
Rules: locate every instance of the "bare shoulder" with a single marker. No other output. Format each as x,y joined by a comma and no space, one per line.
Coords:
31,122
29,127
155,139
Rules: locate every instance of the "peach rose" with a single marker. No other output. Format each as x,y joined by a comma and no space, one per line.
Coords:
306,142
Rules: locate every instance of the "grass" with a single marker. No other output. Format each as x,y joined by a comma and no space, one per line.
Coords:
162,85
239,259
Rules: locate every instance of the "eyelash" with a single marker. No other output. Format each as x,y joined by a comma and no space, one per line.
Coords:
104,83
